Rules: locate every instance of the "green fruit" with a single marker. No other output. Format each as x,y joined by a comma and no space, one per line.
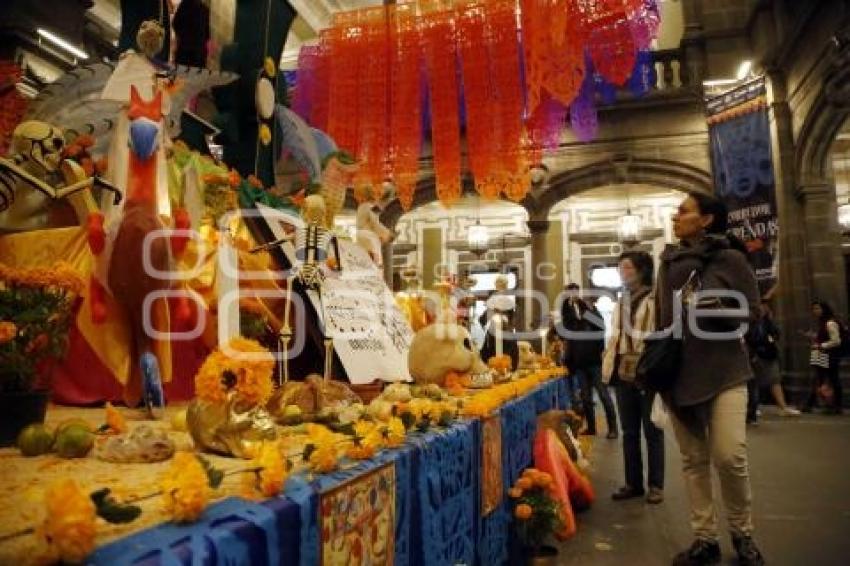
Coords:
35,440
73,422
74,441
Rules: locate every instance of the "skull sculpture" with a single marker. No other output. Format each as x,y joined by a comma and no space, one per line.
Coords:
440,348
232,428
39,143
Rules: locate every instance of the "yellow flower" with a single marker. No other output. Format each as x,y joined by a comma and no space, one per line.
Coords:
323,459
8,331
269,479
69,528
265,134
363,428
185,488
395,432
251,367
114,419
269,67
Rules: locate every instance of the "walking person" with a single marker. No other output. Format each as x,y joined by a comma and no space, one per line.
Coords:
763,341
708,399
585,341
633,319
825,359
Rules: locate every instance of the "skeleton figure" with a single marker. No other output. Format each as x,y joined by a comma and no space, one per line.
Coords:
36,162
312,243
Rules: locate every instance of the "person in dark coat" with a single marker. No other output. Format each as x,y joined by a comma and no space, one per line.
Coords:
585,342
708,401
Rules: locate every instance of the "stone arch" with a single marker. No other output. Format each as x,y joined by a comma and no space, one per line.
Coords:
660,173
539,201
826,115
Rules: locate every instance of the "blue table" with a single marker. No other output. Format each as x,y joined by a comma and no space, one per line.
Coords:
438,503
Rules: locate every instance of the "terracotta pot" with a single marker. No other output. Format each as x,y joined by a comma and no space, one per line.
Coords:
543,556
20,410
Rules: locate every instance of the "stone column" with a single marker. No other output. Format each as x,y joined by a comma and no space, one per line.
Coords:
695,59
791,303
823,249
539,255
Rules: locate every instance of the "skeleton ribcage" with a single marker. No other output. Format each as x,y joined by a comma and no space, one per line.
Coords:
311,245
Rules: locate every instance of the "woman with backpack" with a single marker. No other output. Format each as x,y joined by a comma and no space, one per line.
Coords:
708,398
634,319
763,340
825,358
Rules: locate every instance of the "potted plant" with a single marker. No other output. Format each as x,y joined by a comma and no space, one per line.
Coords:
35,314
536,516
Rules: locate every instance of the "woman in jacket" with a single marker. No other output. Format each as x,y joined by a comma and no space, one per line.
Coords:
618,367
824,359
708,400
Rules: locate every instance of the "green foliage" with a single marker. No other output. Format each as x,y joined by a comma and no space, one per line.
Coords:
252,325
214,475
112,511
42,317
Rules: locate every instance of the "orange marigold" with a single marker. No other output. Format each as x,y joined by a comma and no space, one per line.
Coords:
523,511
515,493
185,488
524,483
8,331
250,367
69,527
114,419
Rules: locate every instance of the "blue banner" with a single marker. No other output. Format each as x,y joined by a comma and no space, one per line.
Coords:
742,165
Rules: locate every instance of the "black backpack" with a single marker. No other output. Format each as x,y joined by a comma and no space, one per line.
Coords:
762,338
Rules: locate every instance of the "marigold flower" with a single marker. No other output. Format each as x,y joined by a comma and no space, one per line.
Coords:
323,459
272,472
69,528
114,419
185,488
251,370
233,178
515,493
523,511
8,331
395,432
524,483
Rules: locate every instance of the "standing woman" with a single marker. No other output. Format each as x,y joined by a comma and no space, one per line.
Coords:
824,359
708,400
618,367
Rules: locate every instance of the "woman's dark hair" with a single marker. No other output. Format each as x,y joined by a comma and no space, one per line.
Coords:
826,311
643,264
708,204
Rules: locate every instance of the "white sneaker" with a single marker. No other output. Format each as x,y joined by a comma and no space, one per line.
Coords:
789,412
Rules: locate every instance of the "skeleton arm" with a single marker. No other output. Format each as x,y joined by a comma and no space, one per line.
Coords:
14,169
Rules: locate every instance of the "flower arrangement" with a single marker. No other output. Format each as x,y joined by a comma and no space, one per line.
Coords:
537,514
422,413
243,367
501,363
367,440
35,315
486,401
320,450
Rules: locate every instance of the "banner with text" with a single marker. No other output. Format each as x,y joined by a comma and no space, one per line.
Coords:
742,165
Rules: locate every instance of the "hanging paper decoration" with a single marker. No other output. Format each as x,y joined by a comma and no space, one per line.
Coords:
305,84
345,54
610,43
438,39
643,77
519,72
513,173
479,98
406,104
373,135
12,104
583,117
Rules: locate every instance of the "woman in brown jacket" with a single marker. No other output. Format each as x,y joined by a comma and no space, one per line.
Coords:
708,400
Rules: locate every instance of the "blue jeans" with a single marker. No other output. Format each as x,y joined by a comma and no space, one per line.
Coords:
635,407
590,378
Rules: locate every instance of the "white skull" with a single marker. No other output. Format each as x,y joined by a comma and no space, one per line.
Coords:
440,348
39,143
